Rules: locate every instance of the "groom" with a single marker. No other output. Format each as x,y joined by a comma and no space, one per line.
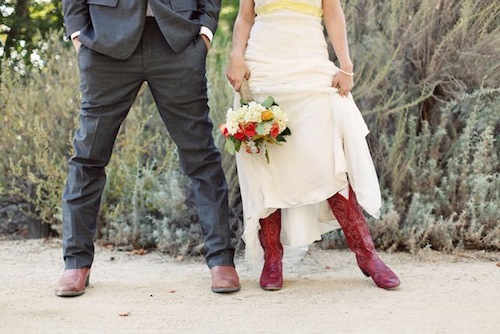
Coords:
121,44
